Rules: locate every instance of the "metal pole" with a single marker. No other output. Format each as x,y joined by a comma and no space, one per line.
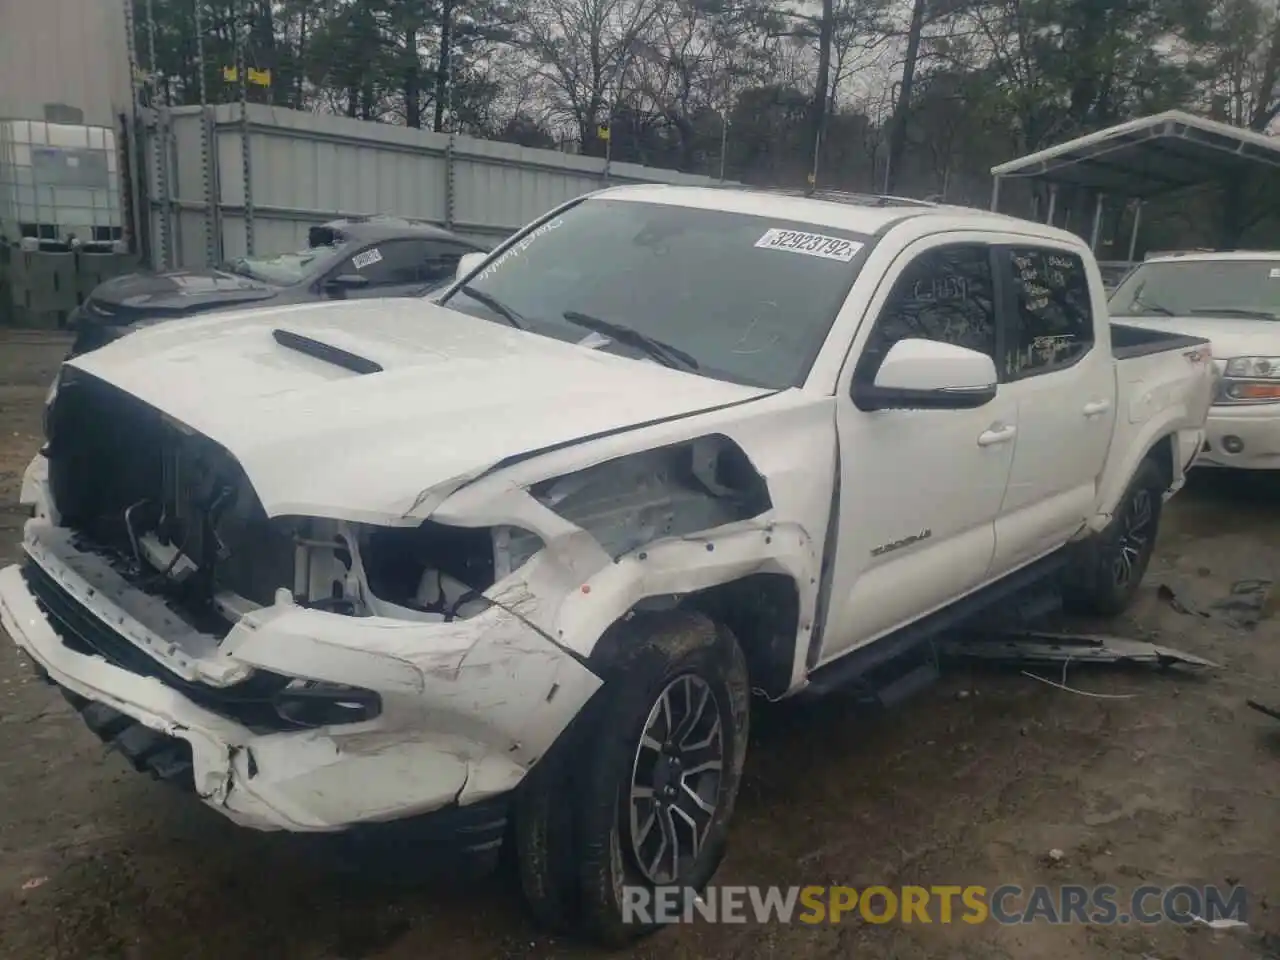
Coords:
1097,224
131,228
161,162
608,144
817,153
1053,203
210,247
242,75
995,194
724,139
450,170
1133,234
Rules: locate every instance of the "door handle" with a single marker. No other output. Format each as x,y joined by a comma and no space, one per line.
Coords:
1096,407
996,435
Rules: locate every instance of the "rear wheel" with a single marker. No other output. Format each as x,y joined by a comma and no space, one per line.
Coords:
1111,567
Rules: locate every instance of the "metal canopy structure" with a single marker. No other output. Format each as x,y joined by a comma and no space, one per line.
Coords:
1145,158
1150,156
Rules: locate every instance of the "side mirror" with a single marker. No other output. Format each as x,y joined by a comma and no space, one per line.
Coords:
468,262
929,375
339,285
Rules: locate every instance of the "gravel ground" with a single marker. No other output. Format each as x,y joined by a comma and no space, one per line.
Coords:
971,783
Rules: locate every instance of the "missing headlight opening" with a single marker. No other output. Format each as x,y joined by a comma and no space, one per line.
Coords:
440,571
671,491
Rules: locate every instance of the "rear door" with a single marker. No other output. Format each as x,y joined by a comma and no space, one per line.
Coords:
1063,383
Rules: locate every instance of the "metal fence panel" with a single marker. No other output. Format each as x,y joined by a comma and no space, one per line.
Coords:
307,168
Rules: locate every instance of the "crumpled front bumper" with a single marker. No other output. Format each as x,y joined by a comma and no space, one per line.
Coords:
468,706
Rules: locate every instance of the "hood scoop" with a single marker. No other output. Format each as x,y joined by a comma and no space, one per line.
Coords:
326,352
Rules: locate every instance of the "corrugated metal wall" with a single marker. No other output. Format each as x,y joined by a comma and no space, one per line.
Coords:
70,52
306,168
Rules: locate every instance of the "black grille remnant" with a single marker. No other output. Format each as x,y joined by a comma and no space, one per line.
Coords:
148,751
119,470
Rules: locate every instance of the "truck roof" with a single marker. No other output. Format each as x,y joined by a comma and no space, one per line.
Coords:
857,213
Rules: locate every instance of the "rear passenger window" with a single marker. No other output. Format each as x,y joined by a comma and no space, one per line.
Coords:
1052,322
944,294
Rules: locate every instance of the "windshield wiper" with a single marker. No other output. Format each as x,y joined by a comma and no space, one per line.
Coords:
496,305
1236,312
663,352
1139,301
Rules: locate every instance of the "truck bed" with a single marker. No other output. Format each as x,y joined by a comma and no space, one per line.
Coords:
1128,342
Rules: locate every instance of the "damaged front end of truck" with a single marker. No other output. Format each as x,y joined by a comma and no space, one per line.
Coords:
319,672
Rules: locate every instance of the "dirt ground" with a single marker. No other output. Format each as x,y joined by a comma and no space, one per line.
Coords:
971,783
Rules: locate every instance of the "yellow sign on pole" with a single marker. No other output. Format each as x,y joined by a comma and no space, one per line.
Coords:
261,78
603,131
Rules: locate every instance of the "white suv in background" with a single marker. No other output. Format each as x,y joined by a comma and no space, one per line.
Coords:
1233,301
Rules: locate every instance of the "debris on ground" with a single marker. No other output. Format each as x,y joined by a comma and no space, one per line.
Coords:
1272,712
1244,606
1221,923
35,882
1031,647
1165,593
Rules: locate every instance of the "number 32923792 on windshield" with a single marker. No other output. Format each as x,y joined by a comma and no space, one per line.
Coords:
810,244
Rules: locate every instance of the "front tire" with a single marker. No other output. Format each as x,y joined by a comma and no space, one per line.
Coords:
661,769
1112,566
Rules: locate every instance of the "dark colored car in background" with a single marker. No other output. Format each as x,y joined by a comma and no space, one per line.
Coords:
355,257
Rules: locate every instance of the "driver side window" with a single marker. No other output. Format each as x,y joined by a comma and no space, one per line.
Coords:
944,294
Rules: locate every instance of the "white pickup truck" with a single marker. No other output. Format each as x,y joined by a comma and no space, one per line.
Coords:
515,564
1232,299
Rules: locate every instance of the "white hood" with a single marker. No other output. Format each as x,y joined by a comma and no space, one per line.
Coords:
1229,336
456,395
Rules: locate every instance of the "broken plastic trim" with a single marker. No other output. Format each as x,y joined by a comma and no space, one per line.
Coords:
671,491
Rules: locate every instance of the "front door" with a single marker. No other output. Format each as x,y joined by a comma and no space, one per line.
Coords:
919,489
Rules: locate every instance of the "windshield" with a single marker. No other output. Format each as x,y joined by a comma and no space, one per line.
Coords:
285,269
746,298
1223,288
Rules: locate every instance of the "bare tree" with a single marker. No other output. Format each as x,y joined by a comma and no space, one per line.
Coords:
583,49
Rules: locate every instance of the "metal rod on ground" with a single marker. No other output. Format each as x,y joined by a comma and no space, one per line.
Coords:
1133,234
1097,224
